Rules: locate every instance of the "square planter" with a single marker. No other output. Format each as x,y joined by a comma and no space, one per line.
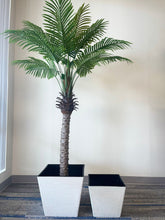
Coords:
61,195
107,194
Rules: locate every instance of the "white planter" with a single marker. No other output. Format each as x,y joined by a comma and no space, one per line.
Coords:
61,195
106,194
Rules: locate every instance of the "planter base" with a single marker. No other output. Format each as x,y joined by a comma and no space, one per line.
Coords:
61,195
106,194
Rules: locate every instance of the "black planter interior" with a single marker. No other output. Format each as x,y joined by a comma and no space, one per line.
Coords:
54,170
105,180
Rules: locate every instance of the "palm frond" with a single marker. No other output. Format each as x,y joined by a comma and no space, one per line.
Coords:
91,34
86,62
107,44
82,19
101,47
85,66
53,48
36,67
106,59
58,22
81,22
33,38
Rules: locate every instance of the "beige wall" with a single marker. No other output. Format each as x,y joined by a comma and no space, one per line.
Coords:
119,127
8,171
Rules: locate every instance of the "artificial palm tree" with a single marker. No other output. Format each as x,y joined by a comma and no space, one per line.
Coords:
70,47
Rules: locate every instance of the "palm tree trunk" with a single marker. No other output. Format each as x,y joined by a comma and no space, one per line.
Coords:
64,145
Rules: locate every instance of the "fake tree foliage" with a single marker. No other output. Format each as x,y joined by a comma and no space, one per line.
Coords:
70,47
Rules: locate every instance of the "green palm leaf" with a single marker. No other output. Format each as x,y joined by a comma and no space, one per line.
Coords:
81,22
58,22
36,67
106,59
33,38
85,65
91,34
82,19
101,47
107,44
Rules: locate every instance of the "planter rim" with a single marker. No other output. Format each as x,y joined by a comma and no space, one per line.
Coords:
105,180
75,170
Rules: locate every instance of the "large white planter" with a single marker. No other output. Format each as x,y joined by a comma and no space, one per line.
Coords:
61,195
106,194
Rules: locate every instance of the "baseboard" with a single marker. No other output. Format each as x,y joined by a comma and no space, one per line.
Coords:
126,179
5,183
24,179
143,180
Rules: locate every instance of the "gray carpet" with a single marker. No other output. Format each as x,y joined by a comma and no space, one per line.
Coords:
143,201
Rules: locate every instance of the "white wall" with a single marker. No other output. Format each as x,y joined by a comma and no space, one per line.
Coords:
7,173
119,127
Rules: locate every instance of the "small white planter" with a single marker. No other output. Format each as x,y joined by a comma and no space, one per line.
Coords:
106,194
61,195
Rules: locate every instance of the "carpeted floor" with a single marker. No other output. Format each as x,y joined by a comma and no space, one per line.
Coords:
144,200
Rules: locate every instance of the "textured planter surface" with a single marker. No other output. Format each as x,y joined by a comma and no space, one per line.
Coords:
106,194
61,195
